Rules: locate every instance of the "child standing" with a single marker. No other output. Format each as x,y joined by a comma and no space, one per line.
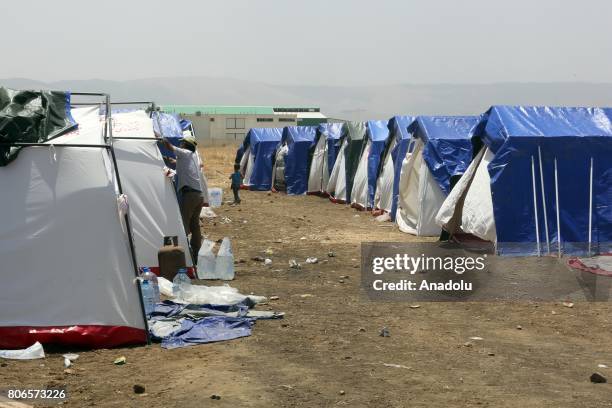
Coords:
236,178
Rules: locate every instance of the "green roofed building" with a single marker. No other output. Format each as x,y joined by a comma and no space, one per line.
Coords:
229,124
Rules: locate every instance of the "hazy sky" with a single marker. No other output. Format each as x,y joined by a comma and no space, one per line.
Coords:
315,42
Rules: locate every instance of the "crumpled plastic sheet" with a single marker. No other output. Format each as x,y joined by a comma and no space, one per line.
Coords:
180,325
208,330
209,295
33,352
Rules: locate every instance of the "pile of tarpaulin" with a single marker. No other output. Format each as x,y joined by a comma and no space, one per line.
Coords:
205,314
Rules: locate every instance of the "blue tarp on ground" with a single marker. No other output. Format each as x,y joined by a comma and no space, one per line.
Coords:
448,144
299,140
262,143
572,136
398,132
332,132
378,133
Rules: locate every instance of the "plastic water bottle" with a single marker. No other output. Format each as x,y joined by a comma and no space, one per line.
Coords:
152,278
148,296
179,283
224,266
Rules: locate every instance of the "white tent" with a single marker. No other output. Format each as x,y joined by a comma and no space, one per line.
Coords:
442,150
323,157
383,198
364,185
336,186
154,210
420,196
66,265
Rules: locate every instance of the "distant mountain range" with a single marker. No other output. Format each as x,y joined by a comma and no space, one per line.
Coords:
344,102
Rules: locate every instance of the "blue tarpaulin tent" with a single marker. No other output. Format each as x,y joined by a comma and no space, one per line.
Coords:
551,153
442,149
298,140
259,147
447,145
323,152
399,139
364,186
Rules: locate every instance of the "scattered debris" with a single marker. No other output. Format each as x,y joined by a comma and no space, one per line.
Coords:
215,397
286,386
269,251
553,312
267,261
519,327
278,241
490,353
467,344
598,378
384,332
344,276
396,366
293,264
302,238
138,389
33,352
476,338
120,361
312,260
207,212
361,329
602,366
258,259
356,215
342,392
68,371
69,358
306,295
415,306
274,298
341,281
241,261
331,254
568,304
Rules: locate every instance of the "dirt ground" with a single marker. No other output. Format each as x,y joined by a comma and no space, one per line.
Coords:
327,351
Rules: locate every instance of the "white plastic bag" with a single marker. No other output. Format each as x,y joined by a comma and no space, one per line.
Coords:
206,261
33,352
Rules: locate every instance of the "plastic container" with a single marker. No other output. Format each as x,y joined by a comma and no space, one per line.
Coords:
224,266
207,261
148,296
215,197
180,283
152,278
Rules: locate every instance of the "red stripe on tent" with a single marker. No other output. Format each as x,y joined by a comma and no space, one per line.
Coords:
191,271
244,187
89,336
576,263
318,193
336,200
377,212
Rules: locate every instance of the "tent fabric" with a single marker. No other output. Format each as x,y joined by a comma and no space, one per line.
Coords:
66,265
185,124
364,186
154,209
31,117
387,186
354,133
448,144
520,137
298,140
442,149
336,186
398,128
323,156
259,148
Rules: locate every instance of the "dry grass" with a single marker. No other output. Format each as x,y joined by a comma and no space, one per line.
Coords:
218,164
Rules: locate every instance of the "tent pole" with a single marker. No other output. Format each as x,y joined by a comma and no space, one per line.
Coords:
558,210
535,206
590,207
544,201
108,132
